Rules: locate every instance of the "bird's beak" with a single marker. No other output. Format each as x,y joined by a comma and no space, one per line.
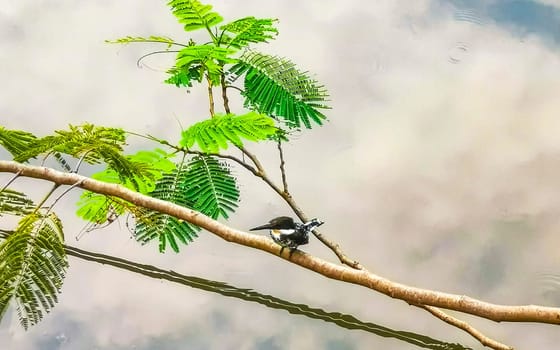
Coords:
262,227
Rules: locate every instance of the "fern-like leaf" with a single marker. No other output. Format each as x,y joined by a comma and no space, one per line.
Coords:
149,166
15,141
193,61
204,184
32,267
168,229
139,39
86,141
213,134
211,187
184,77
91,144
15,203
249,30
274,86
193,14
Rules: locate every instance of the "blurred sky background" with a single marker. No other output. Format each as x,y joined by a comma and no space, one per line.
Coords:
439,168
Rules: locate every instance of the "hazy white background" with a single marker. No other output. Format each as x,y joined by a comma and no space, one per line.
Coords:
439,168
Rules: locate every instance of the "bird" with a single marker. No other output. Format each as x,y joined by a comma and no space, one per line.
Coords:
288,233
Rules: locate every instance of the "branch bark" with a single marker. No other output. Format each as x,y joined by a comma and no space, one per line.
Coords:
411,295
484,340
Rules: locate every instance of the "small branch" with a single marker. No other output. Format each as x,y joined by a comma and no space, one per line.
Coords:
484,340
210,95
82,158
40,205
64,193
224,93
153,53
16,175
299,212
282,170
234,87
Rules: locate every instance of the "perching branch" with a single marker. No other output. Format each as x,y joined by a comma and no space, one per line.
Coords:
411,295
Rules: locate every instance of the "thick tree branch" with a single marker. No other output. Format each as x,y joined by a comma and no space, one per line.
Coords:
411,295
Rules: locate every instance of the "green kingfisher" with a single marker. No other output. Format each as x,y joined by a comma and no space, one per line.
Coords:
288,233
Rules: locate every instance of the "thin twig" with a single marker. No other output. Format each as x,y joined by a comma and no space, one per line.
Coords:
153,53
299,212
82,158
235,87
224,93
64,193
40,205
16,175
484,340
282,163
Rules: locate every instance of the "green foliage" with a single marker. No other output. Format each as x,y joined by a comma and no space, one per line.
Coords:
15,141
98,208
32,267
168,229
194,60
274,86
211,187
204,184
185,76
249,30
149,166
213,134
15,203
92,144
139,39
193,14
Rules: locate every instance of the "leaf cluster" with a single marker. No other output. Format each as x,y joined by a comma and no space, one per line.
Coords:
32,267
274,86
204,184
215,133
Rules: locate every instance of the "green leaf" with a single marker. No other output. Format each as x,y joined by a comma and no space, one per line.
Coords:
32,267
87,141
193,14
15,203
274,86
193,61
140,39
213,134
15,141
149,166
249,30
211,187
91,144
168,229
184,77
205,184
